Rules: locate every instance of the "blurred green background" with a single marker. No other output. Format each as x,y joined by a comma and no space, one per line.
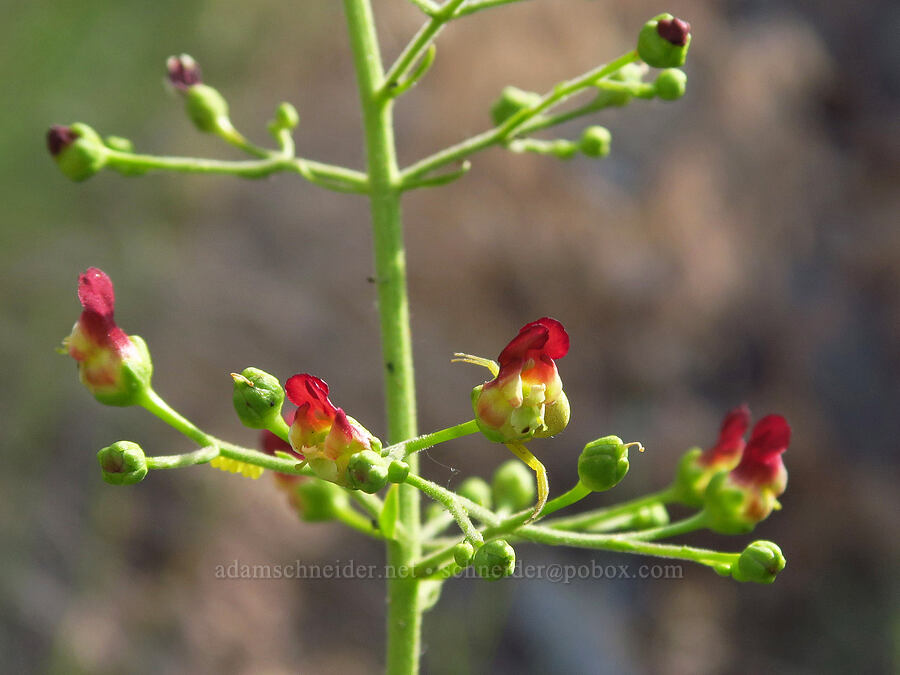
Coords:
738,245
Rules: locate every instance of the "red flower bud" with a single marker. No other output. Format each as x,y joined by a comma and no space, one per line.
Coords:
114,367
323,433
726,453
183,71
513,405
674,30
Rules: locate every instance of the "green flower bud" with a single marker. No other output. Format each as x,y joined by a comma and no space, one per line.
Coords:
207,108
691,478
495,560
603,463
398,470
318,500
257,398
663,41
477,490
595,141
462,553
670,84
563,149
511,101
513,486
122,463
760,562
286,117
78,150
556,417
367,471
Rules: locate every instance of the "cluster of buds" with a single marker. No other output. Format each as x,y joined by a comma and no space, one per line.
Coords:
737,483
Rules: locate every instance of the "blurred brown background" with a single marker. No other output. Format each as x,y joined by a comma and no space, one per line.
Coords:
738,245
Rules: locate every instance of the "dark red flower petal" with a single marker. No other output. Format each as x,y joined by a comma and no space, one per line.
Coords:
95,292
557,345
531,336
734,426
342,423
769,438
305,388
674,30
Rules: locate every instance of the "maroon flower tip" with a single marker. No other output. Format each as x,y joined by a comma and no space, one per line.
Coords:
734,426
675,31
308,389
545,335
59,138
95,292
183,72
769,438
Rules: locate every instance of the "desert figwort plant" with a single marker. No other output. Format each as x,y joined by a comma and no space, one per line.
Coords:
328,464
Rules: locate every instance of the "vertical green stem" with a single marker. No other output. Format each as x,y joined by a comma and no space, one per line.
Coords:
404,619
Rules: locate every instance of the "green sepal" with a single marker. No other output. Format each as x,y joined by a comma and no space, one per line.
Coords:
134,379
367,471
603,463
495,560
655,50
760,562
257,397
85,156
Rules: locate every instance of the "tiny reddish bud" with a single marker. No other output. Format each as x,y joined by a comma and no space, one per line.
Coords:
59,137
184,72
674,30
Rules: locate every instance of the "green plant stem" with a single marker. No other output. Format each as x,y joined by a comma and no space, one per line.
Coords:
325,175
477,5
201,456
417,46
357,521
511,127
577,493
585,520
696,522
405,602
413,445
452,505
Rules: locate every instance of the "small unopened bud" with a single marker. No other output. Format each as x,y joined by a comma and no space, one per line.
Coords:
477,490
654,515
286,117
671,84
663,41
462,553
207,109
494,560
122,463
318,500
595,141
78,150
367,471
513,486
184,72
603,463
257,397
398,470
511,101
760,562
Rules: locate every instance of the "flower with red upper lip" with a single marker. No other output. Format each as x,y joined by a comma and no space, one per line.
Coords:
323,433
114,366
697,467
525,398
737,500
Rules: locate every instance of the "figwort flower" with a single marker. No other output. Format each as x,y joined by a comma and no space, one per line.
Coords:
323,433
697,467
525,398
737,500
114,366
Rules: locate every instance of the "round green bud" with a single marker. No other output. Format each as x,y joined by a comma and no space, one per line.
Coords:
367,471
78,150
513,486
556,417
286,117
462,553
511,101
494,560
670,84
257,398
477,490
654,515
595,141
663,41
319,500
603,463
206,107
398,470
122,463
760,562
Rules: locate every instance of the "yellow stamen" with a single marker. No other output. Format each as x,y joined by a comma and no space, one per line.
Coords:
235,466
540,473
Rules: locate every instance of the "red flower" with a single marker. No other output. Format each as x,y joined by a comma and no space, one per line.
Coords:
726,453
323,433
113,366
527,388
